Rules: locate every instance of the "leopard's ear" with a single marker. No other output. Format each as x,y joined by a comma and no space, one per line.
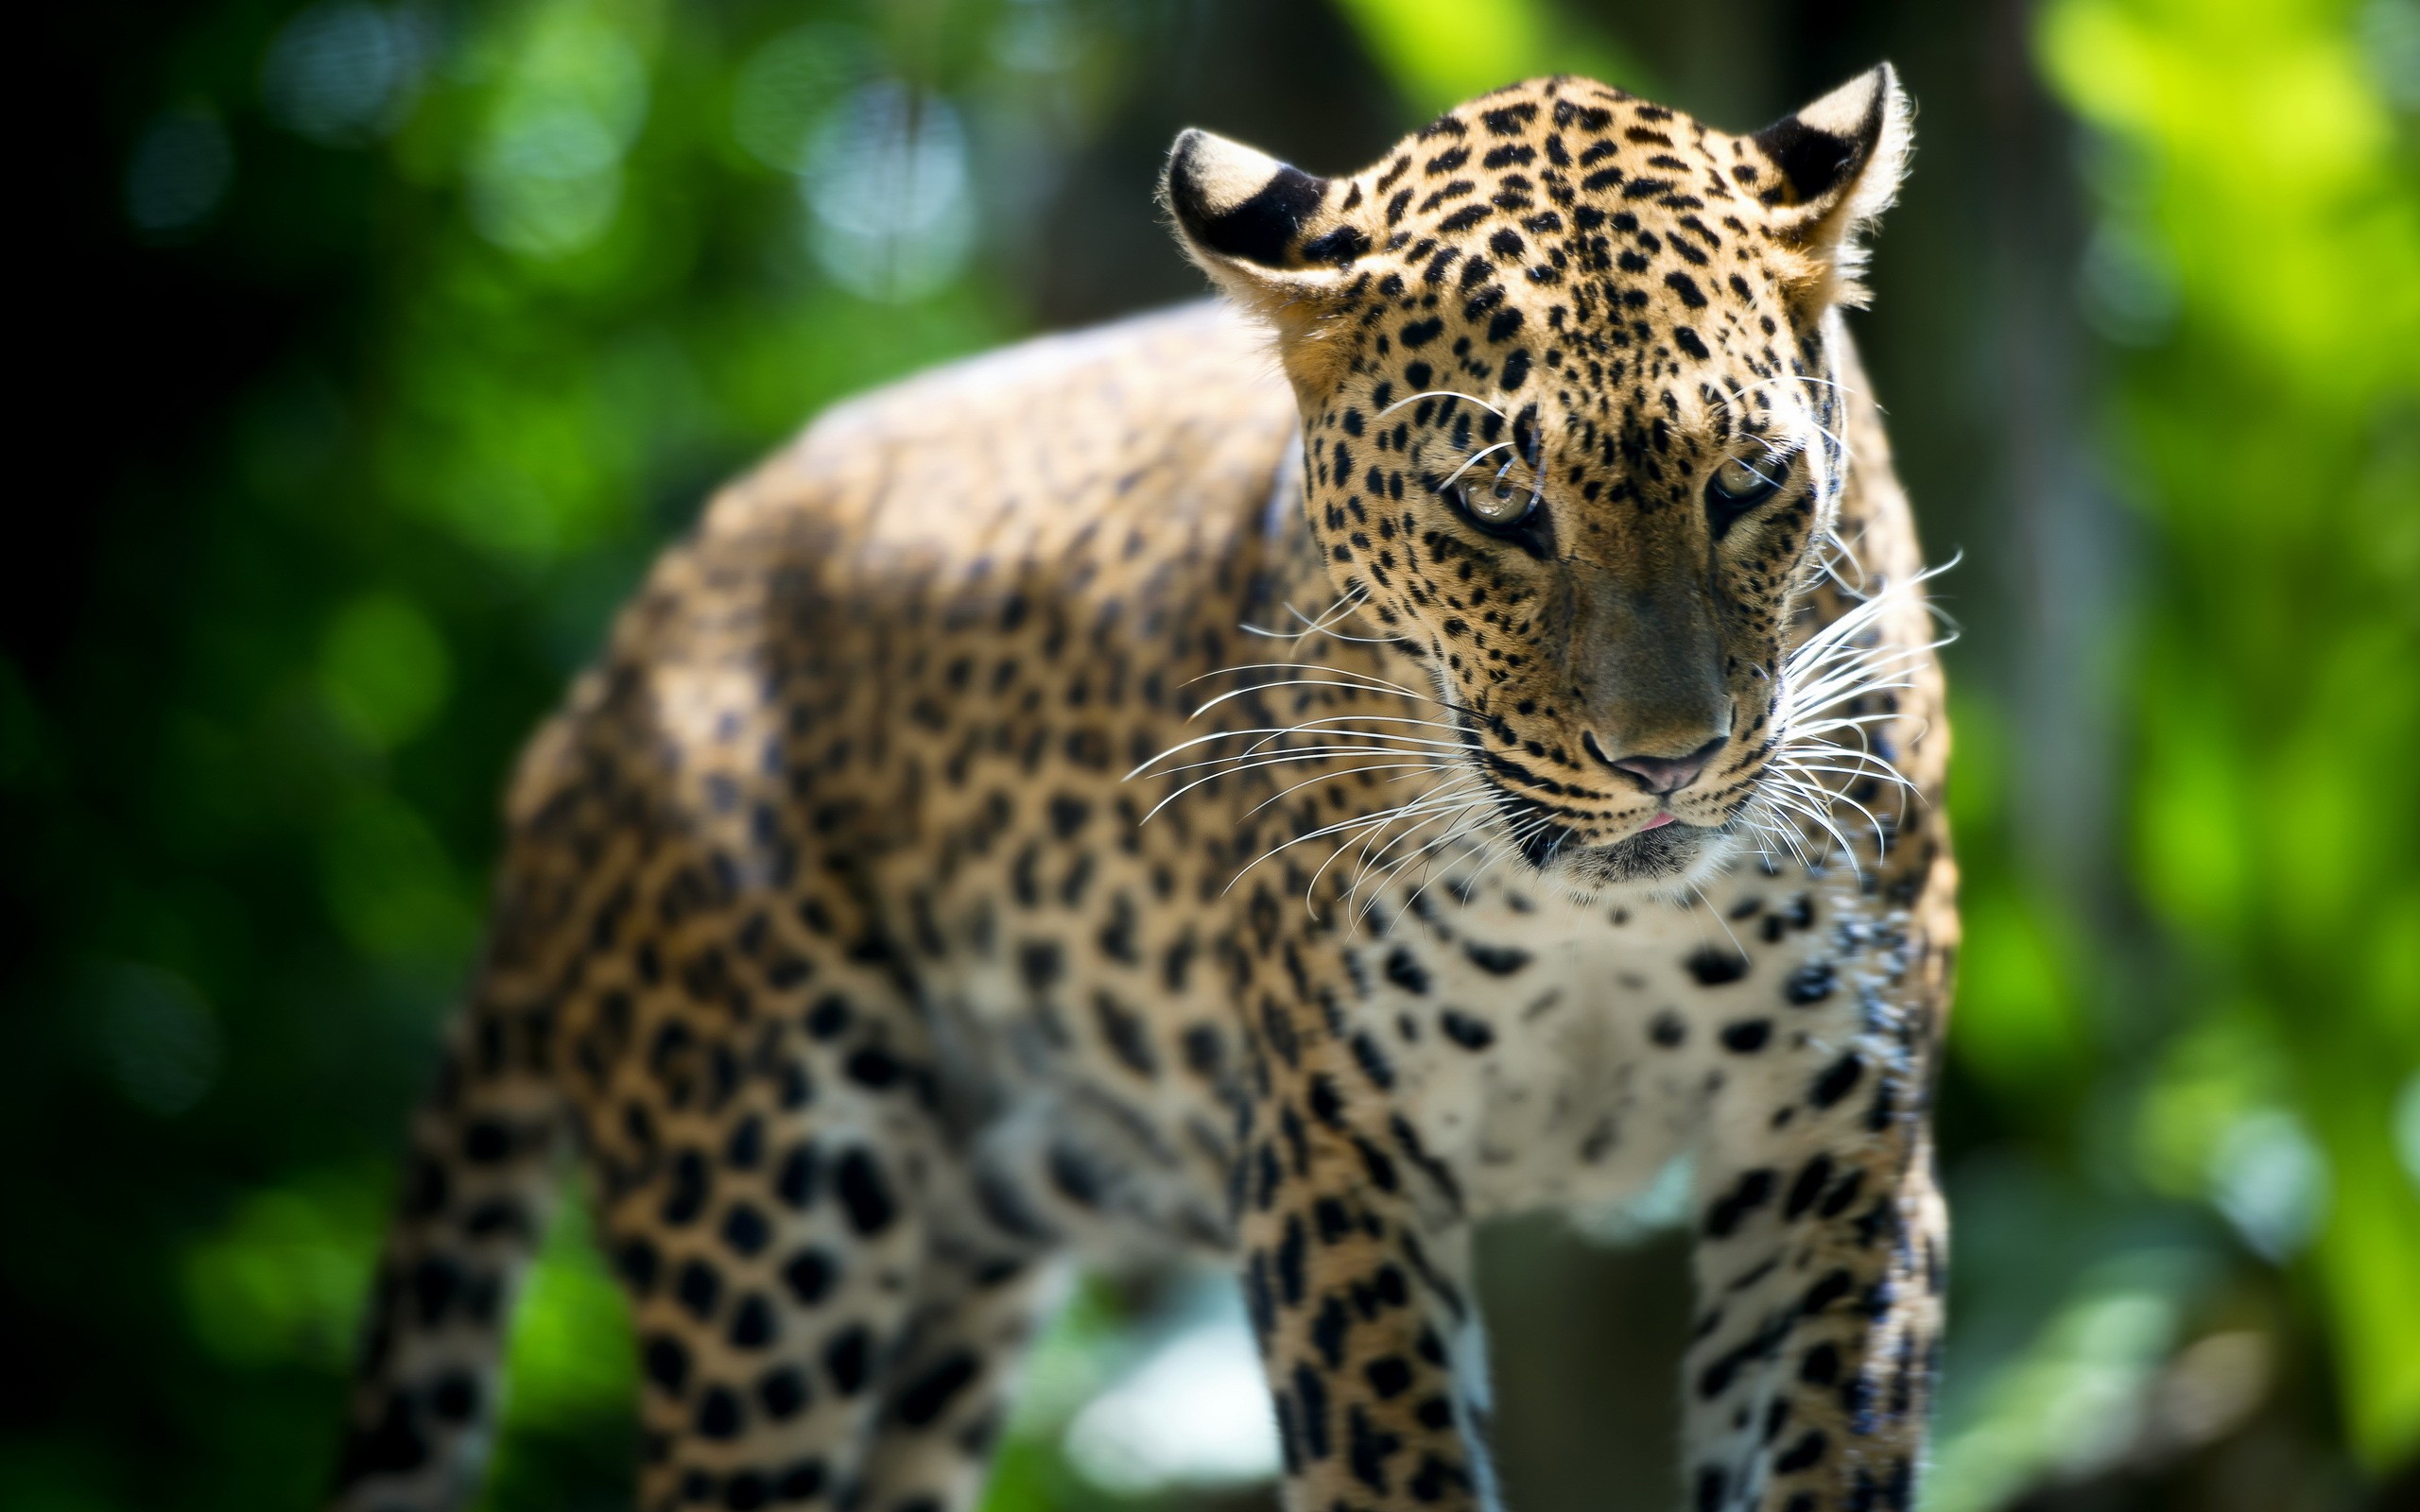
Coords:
1279,241
1836,166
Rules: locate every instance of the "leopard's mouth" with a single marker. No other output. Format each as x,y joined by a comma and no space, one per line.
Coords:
1667,849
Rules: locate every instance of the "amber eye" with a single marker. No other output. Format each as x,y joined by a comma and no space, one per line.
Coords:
1739,485
1497,501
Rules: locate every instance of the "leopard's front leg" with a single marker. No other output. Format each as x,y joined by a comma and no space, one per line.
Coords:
1820,1261
1355,1274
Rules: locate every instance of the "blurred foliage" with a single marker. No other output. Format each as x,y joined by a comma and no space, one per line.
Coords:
2258,251
395,339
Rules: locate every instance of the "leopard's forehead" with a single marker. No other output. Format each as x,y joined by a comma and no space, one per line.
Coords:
1567,245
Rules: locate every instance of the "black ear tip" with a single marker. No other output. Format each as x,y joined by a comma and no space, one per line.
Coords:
1821,145
1183,177
1239,202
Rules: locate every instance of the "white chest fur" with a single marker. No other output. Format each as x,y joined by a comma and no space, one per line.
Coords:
1546,1053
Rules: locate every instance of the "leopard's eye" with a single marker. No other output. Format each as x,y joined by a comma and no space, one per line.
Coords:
1495,502
1739,485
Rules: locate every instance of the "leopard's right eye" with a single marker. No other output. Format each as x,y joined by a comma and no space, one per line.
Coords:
1739,486
1498,503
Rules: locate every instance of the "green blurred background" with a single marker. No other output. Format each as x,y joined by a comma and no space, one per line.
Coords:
373,348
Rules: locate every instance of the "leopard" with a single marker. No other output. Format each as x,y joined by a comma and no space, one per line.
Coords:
1449,727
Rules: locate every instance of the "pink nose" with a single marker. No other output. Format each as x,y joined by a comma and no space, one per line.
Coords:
1662,774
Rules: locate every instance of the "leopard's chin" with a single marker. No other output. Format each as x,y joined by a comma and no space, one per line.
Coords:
1666,860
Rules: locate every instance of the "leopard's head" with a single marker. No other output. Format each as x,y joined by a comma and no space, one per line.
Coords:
1571,424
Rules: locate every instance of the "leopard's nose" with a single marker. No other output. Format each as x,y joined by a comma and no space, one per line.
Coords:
1659,774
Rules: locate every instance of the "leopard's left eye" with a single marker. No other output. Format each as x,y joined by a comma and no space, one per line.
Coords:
1499,501
1739,486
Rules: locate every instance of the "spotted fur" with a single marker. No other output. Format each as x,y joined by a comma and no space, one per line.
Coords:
1105,798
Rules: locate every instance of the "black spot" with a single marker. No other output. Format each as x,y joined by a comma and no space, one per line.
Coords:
1375,1161
1668,1029
744,1493
1290,1249
1390,1377
1687,341
1803,1454
1465,1031
1809,983
1074,1174
1041,963
686,1198
848,1358
698,1288
858,1183
746,1145
1310,1400
638,1263
809,1276
751,1327
1686,287
1713,965
1496,960
795,1183
1335,1223
782,1393
929,1395
802,1481
1405,971
1843,1194
1809,1185
1328,1330
829,1018
1278,1026
1748,1036
1126,1034
666,1364
718,1414
1435,1478
1340,246
1259,1304
1821,1365
1067,815
1368,1449
1374,1061
786,971
1838,1081
1205,1051
873,1067
1327,1103
745,1230
1750,1193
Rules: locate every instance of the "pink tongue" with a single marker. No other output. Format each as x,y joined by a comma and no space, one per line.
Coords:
1657,823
